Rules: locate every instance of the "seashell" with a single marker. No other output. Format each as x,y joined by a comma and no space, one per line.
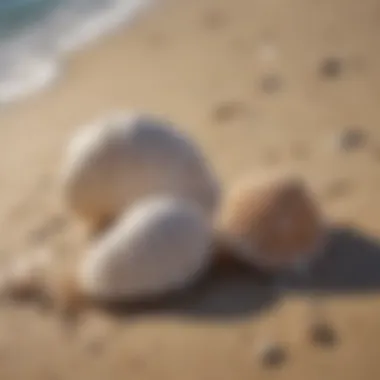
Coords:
160,245
114,162
272,222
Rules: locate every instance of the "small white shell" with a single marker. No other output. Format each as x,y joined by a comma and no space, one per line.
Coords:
114,162
160,245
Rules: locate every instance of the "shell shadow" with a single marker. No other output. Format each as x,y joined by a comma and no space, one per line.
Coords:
228,290
350,265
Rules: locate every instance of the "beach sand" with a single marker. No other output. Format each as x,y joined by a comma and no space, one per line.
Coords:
260,84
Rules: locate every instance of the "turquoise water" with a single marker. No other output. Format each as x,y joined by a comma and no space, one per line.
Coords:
20,14
35,35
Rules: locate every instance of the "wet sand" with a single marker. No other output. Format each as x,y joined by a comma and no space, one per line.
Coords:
260,84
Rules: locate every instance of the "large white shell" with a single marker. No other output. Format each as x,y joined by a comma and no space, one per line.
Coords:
160,245
114,162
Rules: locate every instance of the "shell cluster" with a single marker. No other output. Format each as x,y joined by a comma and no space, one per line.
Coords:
150,194
156,206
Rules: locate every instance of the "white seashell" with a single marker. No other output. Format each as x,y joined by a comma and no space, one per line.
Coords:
114,162
160,245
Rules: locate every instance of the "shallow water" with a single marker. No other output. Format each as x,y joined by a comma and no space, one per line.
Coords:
36,34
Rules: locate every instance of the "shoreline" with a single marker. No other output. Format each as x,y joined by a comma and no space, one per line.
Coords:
32,61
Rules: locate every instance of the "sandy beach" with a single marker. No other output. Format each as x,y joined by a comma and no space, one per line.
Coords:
260,85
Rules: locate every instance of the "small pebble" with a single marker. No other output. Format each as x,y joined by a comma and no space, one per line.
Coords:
323,335
271,83
272,355
331,67
228,111
352,138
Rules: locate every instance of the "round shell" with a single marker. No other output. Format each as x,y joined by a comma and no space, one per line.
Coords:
273,224
114,162
158,246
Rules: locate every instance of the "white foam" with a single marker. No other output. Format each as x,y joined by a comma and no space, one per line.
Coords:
27,78
31,58
101,22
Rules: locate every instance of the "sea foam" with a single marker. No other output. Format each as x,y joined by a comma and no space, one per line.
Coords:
35,36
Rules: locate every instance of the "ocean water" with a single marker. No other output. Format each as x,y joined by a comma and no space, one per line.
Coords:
36,35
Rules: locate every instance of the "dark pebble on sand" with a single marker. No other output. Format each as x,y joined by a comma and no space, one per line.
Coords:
331,67
323,335
228,111
273,355
352,138
271,83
